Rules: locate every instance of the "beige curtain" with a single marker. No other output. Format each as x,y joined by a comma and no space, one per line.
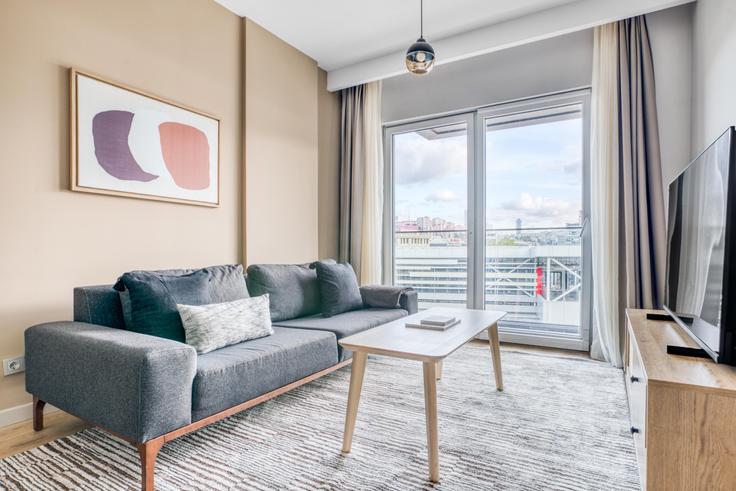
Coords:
627,204
361,181
604,195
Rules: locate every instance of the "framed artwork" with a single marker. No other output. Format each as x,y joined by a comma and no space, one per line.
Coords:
125,142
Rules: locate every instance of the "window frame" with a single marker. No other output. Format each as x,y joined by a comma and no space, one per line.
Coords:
475,119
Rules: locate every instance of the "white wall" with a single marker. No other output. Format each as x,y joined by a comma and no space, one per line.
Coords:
670,32
714,71
545,66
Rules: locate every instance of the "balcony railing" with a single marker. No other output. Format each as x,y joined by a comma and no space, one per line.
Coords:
534,274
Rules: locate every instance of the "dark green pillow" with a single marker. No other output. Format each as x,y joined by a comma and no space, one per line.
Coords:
153,297
338,288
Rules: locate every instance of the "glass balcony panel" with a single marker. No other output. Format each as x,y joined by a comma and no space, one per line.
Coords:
533,274
536,276
435,264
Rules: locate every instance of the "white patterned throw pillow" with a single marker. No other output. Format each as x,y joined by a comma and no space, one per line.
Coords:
213,326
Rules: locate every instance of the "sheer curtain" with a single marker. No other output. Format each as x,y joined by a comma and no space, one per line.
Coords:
361,181
604,195
627,199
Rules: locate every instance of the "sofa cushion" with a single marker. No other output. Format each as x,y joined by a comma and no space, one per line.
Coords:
338,288
345,324
99,305
224,283
235,374
153,299
292,288
227,282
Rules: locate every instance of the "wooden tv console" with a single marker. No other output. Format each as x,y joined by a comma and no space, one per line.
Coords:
683,410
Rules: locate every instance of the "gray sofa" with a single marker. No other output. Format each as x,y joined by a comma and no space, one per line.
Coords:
148,390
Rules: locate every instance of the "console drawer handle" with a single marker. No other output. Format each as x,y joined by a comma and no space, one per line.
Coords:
634,429
634,379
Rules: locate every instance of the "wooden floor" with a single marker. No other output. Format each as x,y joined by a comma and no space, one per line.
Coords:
20,436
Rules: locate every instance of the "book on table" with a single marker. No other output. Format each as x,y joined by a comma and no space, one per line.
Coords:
435,322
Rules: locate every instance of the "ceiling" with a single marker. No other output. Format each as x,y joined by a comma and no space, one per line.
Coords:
337,33
359,41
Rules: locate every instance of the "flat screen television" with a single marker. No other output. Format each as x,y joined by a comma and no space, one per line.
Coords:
700,288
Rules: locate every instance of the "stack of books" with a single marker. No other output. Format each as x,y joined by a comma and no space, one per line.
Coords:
435,322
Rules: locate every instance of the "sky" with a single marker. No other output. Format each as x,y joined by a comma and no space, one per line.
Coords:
533,173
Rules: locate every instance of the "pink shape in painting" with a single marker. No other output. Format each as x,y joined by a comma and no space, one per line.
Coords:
186,154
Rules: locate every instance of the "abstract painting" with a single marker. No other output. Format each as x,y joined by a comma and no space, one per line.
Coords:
125,142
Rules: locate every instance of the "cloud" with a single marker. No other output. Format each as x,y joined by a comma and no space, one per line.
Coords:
419,160
536,209
442,195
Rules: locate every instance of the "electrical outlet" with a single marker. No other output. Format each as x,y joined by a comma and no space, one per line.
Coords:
14,365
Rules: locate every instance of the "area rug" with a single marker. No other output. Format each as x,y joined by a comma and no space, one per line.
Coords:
561,424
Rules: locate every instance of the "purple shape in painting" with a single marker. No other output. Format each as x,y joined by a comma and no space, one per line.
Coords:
110,130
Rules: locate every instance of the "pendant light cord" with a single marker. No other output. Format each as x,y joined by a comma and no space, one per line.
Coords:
421,19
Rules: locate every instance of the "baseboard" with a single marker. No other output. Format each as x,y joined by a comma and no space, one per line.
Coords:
20,413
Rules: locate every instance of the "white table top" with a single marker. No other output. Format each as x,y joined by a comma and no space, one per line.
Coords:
395,339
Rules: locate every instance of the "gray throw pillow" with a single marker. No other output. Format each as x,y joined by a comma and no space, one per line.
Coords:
338,287
141,311
214,326
152,300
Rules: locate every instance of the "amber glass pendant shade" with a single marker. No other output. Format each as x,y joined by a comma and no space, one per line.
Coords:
420,57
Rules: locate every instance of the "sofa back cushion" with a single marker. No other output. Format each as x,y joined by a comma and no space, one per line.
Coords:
102,304
99,304
292,288
227,283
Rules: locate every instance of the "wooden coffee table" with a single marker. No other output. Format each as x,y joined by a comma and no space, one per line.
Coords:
429,347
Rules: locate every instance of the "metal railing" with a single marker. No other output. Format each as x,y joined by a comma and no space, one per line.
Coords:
534,273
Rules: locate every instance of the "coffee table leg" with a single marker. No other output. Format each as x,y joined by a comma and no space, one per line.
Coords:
496,355
439,370
356,384
430,406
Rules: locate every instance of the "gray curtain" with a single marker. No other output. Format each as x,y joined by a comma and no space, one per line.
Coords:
352,159
642,217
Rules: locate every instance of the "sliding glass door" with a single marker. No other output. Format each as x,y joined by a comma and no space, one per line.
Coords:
488,209
430,195
534,195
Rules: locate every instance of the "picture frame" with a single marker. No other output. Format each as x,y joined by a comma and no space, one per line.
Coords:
128,142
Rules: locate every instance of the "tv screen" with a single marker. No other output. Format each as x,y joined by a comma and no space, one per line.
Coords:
697,253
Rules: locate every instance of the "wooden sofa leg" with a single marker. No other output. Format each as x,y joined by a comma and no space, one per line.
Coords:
148,452
38,405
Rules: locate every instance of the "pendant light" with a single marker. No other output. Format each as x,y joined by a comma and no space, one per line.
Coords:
420,55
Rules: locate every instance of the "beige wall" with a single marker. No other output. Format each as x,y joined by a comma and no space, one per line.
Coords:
54,239
281,150
195,52
329,168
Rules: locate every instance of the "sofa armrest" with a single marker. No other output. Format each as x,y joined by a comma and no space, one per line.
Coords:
409,301
389,297
135,385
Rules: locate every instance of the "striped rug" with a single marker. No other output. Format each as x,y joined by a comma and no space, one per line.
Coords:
561,424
